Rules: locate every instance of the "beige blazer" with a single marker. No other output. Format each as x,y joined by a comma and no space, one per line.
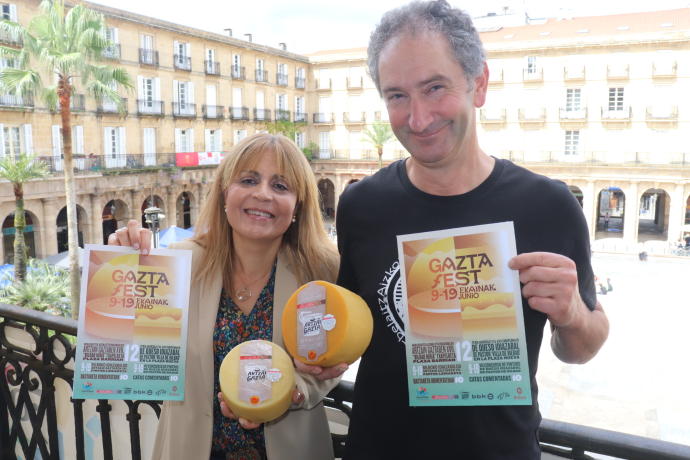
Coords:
185,427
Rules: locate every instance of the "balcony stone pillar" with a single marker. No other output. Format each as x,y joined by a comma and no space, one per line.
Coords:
589,207
676,218
51,207
632,215
170,207
96,211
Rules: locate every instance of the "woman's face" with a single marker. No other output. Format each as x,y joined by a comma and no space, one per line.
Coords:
259,202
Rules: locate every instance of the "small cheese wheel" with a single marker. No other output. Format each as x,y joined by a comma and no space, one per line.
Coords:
350,337
263,411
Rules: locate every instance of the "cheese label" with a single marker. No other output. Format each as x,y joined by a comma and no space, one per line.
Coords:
328,322
311,333
256,365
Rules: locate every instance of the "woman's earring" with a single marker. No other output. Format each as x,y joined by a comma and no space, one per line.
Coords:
294,219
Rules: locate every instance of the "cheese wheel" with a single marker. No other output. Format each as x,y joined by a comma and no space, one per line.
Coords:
347,324
240,365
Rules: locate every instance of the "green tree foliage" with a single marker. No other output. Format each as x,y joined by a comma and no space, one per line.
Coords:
18,171
66,46
45,288
378,135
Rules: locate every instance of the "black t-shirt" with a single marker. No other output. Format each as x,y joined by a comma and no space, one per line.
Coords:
371,213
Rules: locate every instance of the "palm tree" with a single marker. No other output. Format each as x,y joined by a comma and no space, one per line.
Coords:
378,135
67,46
18,171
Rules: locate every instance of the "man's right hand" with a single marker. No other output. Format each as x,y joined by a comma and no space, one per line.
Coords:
132,235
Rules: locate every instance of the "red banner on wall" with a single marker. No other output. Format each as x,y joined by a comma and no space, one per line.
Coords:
187,159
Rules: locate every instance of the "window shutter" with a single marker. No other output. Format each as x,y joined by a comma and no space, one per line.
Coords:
28,139
190,92
176,91
176,47
190,140
140,85
207,140
187,50
157,88
57,140
13,12
106,142
2,140
178,140
123,140
115,37
219,140
78,141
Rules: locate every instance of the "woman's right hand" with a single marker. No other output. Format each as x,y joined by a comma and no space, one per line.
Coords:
132,235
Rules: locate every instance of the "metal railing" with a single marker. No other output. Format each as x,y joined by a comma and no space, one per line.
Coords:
148,56
239,113
281,79
112,52
182,62
300,83
301,117
237,73
78,103
149,107
262,115
261,76
212,112
184,110
108,106
16,100
212,67
323,118
37,350
10,38
282,115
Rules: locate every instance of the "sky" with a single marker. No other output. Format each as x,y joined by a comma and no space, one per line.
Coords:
311,25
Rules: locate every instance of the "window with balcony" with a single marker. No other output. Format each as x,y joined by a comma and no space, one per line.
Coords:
261,73
184,140
282,112
182,55
572,143
355,79
149,138
149,101
112,51
237,71
282,75
77,147
15,140
299,139
147,54
325,145
532,70
183,99
300,115
8,12
301,78
211,66
572,99
238,135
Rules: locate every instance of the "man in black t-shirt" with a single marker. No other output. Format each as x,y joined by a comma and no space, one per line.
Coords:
428,64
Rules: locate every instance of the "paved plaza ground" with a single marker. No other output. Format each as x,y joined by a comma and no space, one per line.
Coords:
639,381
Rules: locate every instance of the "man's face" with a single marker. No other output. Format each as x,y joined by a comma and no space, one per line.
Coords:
430,104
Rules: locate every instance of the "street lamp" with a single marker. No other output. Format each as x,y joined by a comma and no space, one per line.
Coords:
153,217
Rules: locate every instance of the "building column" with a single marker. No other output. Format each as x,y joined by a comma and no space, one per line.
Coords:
676,217
171,205
589,208
51,207
96,220
632,214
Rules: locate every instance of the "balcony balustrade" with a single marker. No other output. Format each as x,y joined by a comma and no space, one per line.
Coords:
616,114
237,73
535,115
182,62
38,353
495,76
300,83
148,57
184,110
662,114
533,75
239,113
212,112
262,115
110,107
574,73
355,82
489,115
10,38
150,107
301,117
16,100
112,52
282,79
665,69
323,118
354,118
618,71
78,103
261,76
212,67
324,84
571,114
282,115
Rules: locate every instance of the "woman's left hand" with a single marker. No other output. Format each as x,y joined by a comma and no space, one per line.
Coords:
297,398
321,373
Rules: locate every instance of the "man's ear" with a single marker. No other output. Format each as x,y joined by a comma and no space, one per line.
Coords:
481,84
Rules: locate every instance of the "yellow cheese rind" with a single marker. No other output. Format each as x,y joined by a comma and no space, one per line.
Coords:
267,410
348,340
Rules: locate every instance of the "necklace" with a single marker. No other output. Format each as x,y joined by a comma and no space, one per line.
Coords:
245,292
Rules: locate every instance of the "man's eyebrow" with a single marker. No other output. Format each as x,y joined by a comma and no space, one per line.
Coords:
433,78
